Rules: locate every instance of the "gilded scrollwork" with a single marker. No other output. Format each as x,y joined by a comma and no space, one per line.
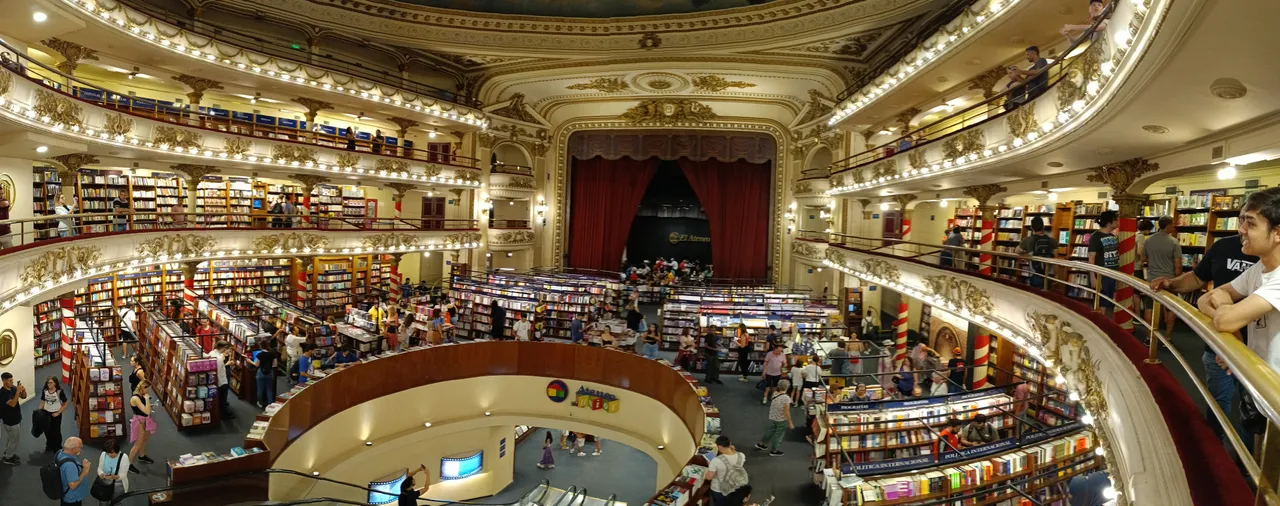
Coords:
1022,121
669,111
884,169
467,176
59,109
836,181
835,256
965,143
804,249
6,83
513,237
881,269
165,136
294,154
117,125
237,146
520,182
174,244
288,241
713,83
960,293
801,187
462,238
916,158
347,160
383,164
59,262
391,240
602,84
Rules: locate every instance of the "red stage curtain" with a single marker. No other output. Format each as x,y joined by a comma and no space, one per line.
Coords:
735,196
605,197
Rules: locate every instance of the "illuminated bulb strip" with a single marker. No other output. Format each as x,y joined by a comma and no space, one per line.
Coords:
126,25
27,115
924,54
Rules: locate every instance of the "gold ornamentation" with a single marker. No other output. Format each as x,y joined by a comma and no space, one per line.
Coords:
165,136
193,172
885,169
804,249
520,182
906,116
960,294
391,240
986,81
515,110
983,192
801,187
117,125
53,264
817,107
715,84
881,269
59,109
404,124
8,347
6,82
198,86
513,237
915,157
391,165
650,41
7,187
290,153
72,53
237,146
835,256
669,111
399,190
1022,121
309,181
487,140
313,106
461,238
903,200
964,143
603,85
176,244
287,241
1120,176
73,162
1068,90
347,160
467,176
659,84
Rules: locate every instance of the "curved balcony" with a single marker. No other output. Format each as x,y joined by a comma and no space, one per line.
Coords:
987,134
34,265
97,120
511,181
1132,391
510,235
324,427
812,186
230,55
809,247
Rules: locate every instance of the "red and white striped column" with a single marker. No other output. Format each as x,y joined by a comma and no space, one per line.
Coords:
988,237
301,288
68,336
981,354
900,337
189,281
1125,232
906,224
395,274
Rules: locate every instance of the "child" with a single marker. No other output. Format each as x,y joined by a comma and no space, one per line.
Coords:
548,459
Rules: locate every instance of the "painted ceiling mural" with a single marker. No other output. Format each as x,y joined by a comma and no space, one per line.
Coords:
588,8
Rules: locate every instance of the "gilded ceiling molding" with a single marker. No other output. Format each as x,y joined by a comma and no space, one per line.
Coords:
960,294
176,244
741,60
71,52
515,109
715,84
602,85
650,41
668,112
549,108
301,241
59,262
561,144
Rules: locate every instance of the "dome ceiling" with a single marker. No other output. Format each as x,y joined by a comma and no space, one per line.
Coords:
588,8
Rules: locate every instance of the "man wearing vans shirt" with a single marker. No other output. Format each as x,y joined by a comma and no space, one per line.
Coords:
1221,264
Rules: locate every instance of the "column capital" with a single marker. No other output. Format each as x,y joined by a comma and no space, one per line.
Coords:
189,270
399,190
986,81
988,212
903,200
1130,204
71,52
866,208
313,106
403,123
905,117
984,192
309,182
194,172
198,86
1121,175
72,163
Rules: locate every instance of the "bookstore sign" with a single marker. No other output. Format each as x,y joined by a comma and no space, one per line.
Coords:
854,407
597,400
921,461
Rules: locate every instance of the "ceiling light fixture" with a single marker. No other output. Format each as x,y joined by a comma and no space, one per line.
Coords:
486,413
1053,196
1228,172
431,134
39,17
943,203
884,206
42,149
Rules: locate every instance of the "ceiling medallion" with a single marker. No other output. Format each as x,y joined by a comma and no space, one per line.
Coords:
1155,129
660,82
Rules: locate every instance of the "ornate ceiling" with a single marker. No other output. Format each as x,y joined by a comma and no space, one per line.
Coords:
588,8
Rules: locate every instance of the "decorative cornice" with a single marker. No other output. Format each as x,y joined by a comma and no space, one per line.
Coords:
1120,176
173,245
194,172
515,109
73,162
903,200
198,85
983,192
669,112
404,124
805,249
399,190
300,241
59,262
960,294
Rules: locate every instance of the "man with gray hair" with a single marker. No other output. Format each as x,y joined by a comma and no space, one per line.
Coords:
1163,256
74,487
779,417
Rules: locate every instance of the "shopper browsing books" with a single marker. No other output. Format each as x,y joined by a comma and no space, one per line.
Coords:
725,472
222,352
521,328
742,343
948,438
305,367
266,360
1104,251
978,432
293,346
773,372
711,354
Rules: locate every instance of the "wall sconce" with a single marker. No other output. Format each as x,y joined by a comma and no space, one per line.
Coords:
541,210
488,203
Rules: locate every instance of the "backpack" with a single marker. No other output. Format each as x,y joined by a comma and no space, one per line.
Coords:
1042,246
735,476
51,478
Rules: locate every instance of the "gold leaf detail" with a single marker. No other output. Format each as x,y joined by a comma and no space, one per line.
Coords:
237,146
58,109
165,136
714,83
117,125
391,165
291,153
347,160
514,237
174,244
669,111
960,294
287,241
53,264
392,240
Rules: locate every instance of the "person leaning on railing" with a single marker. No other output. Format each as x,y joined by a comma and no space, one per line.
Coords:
1027,84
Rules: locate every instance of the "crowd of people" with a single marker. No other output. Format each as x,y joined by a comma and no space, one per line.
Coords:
667,272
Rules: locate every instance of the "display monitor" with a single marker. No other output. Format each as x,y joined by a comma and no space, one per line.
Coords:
455,468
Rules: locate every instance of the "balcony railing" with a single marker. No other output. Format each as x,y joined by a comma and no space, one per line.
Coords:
1052,277
292,51
30,232
508,168
509,224
54,80
999,106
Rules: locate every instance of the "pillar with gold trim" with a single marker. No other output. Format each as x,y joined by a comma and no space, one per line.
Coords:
983,193
1121,177
981,355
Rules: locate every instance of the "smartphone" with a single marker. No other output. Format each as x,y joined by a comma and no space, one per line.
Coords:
767,502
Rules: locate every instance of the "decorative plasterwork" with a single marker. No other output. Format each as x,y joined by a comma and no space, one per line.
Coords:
167,136
916,158
984,192
881,269
1120,176
172,245
515,109
649,41
347,160
391,165
968,142
193,172
602,85
805,249
6,83
960,293
474,61
71,52
512,237
198,85
313,106
59,109
801,187
237,146
298,155
714,83
299,241
59,262
856,47
462,238
1022,121
390,241
116,124
668,112
986,81
818,107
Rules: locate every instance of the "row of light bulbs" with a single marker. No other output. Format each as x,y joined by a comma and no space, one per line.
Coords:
30,291
924,54
136,30
30,115
1001,329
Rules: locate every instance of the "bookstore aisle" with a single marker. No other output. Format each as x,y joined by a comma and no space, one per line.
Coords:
21,484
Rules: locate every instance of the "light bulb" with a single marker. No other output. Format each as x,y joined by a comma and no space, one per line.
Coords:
1227,172
943,203
884,206
1053,196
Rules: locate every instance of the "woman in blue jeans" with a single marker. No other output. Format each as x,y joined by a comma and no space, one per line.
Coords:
266,360
649,343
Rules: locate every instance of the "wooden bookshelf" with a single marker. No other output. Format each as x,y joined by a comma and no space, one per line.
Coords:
184,382
96,189
46,186
211,200
243,336
47,331
98,393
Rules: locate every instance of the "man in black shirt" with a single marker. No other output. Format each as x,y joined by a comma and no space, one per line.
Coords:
711,351
1038,244
1104,251
11,417
1221,264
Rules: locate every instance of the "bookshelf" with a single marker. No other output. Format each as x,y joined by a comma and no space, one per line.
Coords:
473,298
853,308
46,186
184,382
332,283
143,201
211,199
243,336
98,394
170,191
47,331
756,308
353,202
96,188
240,199
296,320
326,201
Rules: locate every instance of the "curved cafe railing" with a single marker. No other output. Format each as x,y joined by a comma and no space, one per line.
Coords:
30,232
269,48
961,134
1254,375
57,100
